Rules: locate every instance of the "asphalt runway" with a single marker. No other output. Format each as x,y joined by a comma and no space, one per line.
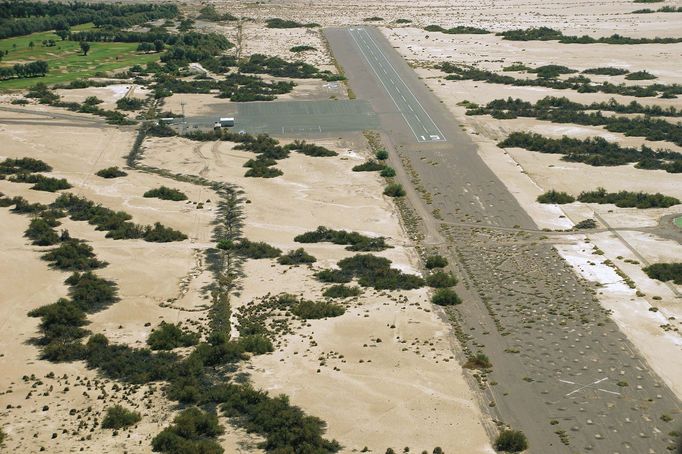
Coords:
563,372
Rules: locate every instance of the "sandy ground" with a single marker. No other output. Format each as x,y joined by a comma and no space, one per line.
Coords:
323,191
528,174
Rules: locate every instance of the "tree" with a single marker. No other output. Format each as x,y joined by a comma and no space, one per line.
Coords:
118,417
85,47
158,45
63,34
511,441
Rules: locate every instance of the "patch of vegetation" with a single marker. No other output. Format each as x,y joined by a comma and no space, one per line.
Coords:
381,155
665,272
557,197
580,83
168,336
209,13
445,297
341,291
23,165
436,261
129,103
516,67
627,199
73,255
310,149
371,271
511,441
354,240
192,431
586,224
606,71
373,19
282,23
165,193
441,279
394,190
276,66
478,361
369,166
549,34
41,233
303,48
317,309
333,276
387,172
250,249
458,30
118,417
111,172
403,21
596,151
41,182
296,257
640,75
91,293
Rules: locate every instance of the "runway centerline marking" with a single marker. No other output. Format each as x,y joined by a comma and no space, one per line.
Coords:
431,133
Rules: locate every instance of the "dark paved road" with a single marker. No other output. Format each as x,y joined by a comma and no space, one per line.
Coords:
562,370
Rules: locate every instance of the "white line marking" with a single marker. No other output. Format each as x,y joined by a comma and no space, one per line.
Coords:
408,88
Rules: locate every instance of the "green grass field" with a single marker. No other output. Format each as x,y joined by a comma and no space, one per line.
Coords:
65,60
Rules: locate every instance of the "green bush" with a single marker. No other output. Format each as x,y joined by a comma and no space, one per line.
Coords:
297,49
665,272
388,172
21,165
394,190
168,336
310,149
371,271
440,279
129,104
41,233
251,249
193,431
317,309
119,417
282,23
41,182
165,193
111,172
640,75
445,297
296,257
381,155
478,361
369,166
261,171
334,276
91,293
436,261
553,196
626,199
161,234
354,240
257,344
511,441
22,206
606,71
341,291
73,255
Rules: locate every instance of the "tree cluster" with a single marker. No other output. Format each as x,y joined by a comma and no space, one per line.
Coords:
549,34
371,271
665,272
23,70
165,193
355,241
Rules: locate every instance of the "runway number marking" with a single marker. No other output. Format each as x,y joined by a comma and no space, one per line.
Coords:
590,385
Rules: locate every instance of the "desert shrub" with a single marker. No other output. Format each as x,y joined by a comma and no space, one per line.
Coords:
640,75
317,309
627,199
111,172
282,23
478,361
553,196
394,190
41,233
341,291
458,30
285,427
606,71
159,233
334,276
440,279
165,193
381,155
257,344
91,293
22,206
20,165
251,249
355,241
511,441
168,336
261,171
403,21
515,67
41,182
73,255
129,104
665,272
193,431
118,417
388,172
445,297
310,149
436,261
296,257
586,224
61,327
373,19
369,166
551,71
297,49
161,130
376,272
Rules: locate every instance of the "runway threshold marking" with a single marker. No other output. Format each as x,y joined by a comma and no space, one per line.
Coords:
427,136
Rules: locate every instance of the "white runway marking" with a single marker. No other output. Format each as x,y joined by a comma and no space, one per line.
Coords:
590,385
